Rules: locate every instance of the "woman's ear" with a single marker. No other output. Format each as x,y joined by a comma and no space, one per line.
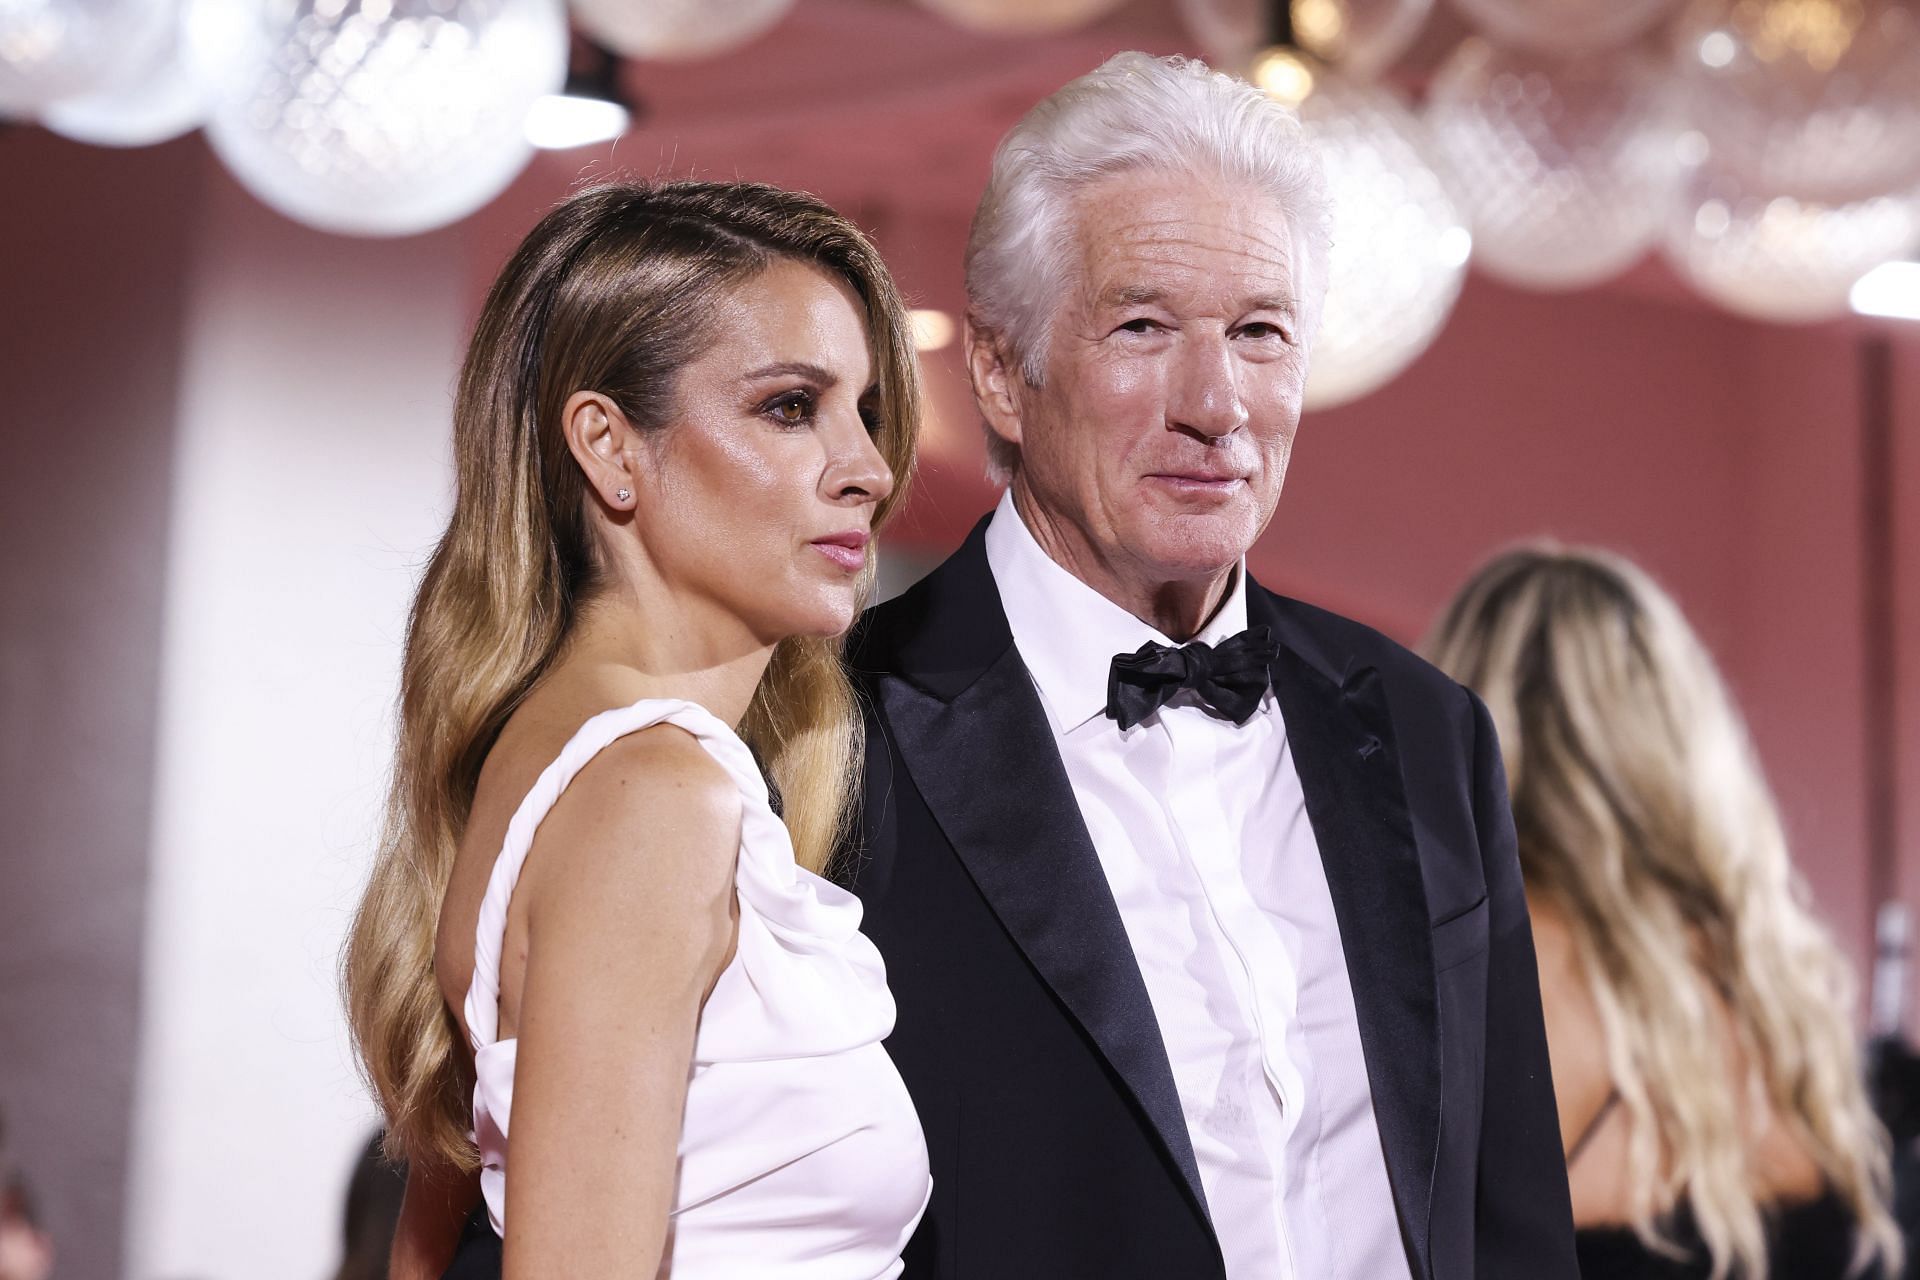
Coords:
605,445
997,381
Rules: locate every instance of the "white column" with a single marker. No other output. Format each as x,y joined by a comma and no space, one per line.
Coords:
311,478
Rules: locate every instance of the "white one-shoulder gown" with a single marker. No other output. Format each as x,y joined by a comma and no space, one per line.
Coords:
800,1155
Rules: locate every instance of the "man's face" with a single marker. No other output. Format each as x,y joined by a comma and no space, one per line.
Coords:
1157,446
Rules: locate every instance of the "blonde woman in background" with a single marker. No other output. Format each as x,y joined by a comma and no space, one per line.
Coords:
682,416
1710,1096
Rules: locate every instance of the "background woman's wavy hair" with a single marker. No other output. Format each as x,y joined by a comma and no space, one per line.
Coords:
614,291
1642,814
1133,112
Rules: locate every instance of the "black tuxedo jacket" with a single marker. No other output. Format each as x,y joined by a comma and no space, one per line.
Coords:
1025,1034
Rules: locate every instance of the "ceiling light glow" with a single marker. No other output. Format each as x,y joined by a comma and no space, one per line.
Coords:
1891,289
561,121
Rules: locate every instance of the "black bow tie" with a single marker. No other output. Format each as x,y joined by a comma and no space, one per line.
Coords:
1229,679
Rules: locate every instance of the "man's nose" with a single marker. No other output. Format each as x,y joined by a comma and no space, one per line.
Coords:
1204,395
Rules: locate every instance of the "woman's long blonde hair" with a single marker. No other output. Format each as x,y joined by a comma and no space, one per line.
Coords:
614,291
1643,816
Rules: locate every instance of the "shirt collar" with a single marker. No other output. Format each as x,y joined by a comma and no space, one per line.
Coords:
1068,633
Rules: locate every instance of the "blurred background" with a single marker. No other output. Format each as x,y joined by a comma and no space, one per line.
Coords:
1622,272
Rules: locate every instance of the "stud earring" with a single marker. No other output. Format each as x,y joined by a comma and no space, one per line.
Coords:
622,494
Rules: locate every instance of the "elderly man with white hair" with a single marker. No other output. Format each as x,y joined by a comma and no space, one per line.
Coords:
1200,905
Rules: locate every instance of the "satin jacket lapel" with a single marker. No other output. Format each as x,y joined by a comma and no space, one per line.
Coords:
977,743
1341,733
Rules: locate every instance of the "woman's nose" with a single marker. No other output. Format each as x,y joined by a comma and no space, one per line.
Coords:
858,471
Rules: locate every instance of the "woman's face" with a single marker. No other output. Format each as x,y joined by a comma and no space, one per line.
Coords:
757,500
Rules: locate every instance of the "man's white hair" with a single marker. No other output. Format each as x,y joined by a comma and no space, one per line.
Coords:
1134,112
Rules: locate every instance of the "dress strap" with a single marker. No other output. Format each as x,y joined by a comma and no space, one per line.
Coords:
1593,1126
483,995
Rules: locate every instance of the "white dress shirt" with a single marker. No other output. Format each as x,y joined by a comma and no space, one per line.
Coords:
1201,828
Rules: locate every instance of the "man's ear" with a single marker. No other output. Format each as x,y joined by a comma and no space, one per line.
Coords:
605,445
997,380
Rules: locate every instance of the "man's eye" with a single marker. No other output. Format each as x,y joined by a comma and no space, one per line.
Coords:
1261,329
1142,325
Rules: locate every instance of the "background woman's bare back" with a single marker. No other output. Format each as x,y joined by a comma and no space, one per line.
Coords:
1599,1179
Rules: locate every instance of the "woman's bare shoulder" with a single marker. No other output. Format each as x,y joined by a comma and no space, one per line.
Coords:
642,803
652,819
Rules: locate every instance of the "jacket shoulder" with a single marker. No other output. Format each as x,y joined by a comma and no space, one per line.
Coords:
881,631
946,628
1341,646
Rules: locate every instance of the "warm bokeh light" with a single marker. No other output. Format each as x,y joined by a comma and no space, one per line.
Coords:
1284,75
932,329
1821,31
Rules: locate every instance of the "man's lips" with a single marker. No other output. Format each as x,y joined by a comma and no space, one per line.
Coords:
1197,479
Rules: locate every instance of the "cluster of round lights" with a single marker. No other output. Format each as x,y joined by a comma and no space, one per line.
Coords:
365,117
1770,148
376,117
1774,155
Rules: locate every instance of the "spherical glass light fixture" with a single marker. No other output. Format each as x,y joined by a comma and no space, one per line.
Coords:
1565,27
377,117
1021,17
1779,258
1400,246
670,29
1359,37
1818,99
1564,167
55,49
162,98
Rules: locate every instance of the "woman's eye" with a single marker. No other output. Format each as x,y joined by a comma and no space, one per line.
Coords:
791,410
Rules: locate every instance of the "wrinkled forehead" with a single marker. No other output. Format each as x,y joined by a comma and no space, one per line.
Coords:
1176,238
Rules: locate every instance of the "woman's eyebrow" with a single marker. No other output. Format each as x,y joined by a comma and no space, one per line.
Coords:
795,369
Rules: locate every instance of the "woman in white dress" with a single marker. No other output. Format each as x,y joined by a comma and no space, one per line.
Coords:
684,412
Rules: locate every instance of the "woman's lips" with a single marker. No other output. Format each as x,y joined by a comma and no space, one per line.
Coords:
848,550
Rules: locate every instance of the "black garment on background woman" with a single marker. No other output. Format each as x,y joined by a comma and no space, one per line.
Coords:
1810,1240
